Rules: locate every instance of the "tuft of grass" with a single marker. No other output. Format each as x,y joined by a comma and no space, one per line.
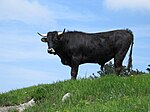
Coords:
106,94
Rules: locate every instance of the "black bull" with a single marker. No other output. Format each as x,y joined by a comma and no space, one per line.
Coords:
75,48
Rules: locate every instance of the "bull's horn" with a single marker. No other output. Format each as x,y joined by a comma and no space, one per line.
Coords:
43,35
64,30
59,33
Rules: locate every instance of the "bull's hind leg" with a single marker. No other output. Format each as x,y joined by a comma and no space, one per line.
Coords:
118,66
119,57
118,61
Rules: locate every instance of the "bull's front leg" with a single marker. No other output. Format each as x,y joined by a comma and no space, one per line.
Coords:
74,72
75,62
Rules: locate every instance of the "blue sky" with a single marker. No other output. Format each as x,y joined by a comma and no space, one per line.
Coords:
24,60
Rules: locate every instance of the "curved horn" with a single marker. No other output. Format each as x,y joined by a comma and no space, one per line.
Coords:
59,33
64,30
43,35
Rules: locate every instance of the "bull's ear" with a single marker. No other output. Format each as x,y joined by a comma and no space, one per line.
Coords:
44,39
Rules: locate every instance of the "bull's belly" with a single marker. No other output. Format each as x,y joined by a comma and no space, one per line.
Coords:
96,59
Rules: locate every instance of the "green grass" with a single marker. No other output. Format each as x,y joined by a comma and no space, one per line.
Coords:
106,94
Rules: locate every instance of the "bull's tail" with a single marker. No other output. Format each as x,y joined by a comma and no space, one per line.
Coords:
129,67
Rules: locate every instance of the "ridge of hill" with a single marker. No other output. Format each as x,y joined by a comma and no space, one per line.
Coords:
105,94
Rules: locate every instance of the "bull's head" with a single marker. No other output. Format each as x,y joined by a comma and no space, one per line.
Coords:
51,38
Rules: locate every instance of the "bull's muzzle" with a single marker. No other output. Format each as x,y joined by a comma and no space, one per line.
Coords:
51,50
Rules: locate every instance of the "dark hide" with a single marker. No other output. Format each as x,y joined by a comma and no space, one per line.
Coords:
75,48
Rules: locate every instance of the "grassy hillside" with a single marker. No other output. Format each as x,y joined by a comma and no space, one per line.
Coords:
106,94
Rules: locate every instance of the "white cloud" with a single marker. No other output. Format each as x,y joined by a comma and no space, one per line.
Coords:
134,5
25,11
33,12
